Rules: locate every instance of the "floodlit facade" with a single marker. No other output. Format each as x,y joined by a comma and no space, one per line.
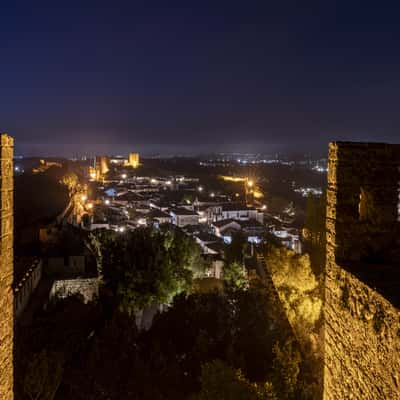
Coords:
133,160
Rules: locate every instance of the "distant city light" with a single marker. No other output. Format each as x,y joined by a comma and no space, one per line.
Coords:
84,197
90,206
107,202
200,188
153,180
168,183
250,183
212,194
123,176
121,229
264,207
305,191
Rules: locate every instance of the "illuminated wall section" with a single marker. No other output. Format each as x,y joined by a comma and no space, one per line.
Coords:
6,268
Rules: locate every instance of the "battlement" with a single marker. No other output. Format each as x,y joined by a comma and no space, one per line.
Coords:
362,274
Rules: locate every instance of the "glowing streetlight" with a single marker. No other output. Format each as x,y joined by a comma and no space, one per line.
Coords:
93,175
107,202
90,206
250,183
212,194
264,207
200,188
123,176
83,197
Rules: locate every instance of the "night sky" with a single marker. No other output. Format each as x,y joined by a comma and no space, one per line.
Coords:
197,76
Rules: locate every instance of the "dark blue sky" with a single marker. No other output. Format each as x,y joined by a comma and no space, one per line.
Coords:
198,75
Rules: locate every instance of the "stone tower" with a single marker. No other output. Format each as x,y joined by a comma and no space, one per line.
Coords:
133,160
6,268
362,287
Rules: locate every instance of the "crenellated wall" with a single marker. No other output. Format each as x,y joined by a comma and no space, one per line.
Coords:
362,280
6,268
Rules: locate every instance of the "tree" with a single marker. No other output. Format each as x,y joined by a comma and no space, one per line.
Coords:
43,376
234,276
178,352
146,266
286,370
297,286
236,250
300,293
220,381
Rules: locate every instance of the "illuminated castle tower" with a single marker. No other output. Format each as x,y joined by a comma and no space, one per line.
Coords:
6,268
101,165
133,160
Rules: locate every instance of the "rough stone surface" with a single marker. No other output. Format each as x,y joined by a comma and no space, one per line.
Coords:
87,288
361,315
6,268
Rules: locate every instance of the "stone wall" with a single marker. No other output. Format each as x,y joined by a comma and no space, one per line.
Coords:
6,268
26,286
87,288
362,285
362,340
